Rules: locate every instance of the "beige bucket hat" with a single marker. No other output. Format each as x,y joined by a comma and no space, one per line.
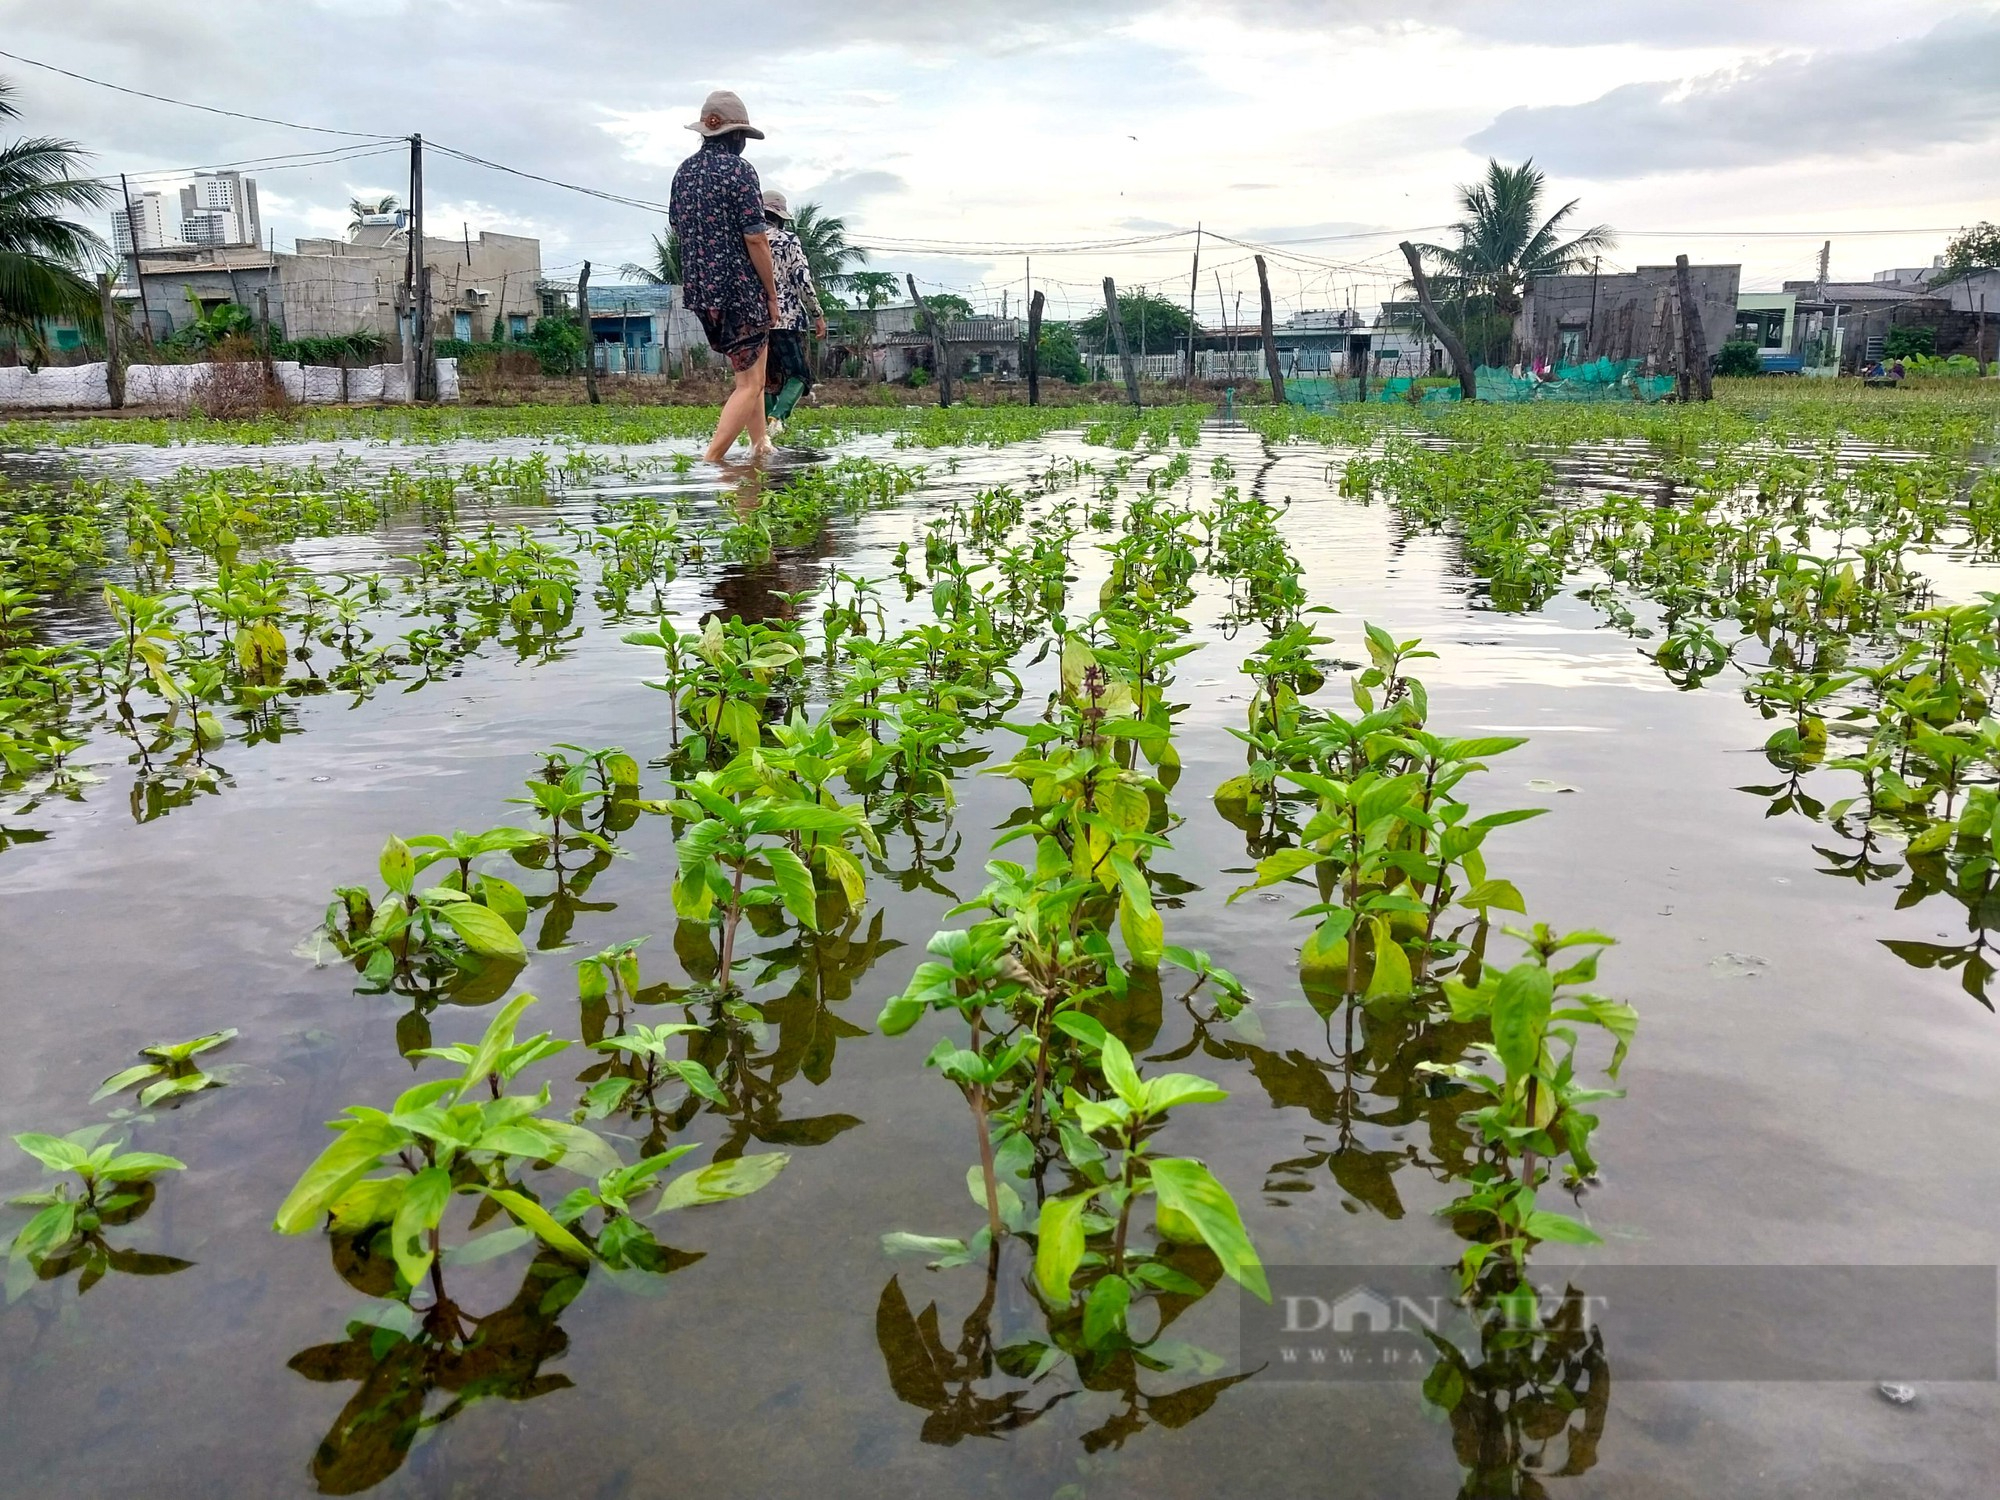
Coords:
722,112
775,202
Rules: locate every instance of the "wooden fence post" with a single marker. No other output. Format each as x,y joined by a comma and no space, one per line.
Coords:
264,335
1117,327
930,324
1035,350
1270,337
1694,338
114,361
1468,383
589,344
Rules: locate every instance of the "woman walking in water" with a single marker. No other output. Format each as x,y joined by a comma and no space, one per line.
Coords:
727,280
787,371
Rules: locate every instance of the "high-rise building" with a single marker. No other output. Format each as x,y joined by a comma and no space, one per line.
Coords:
220,208
149,210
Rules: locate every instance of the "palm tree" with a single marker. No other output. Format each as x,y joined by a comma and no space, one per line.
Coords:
43,256
1503,243
828,254
362,208
666,267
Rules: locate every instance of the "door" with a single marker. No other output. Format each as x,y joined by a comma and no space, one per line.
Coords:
461,327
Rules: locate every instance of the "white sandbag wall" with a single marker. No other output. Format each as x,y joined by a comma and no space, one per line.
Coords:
70,386
83,387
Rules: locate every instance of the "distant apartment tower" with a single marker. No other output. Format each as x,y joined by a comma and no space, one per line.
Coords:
220,208
149,210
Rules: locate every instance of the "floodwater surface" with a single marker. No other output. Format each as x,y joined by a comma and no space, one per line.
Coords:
1797,1093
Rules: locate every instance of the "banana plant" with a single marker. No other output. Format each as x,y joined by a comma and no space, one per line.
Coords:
172,1071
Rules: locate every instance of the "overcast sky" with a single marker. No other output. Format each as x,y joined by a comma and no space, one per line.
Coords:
1336,126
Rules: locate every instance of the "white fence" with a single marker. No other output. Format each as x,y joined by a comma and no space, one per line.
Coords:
83,387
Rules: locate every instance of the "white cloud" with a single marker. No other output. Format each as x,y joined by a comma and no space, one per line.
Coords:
1042,121
1908,96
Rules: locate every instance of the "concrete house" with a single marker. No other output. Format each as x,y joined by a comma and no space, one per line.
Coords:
183,282
640,328
356,285
1568,320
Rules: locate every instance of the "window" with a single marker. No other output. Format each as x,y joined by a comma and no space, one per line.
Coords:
1762,326
461,326
1572,345
517,325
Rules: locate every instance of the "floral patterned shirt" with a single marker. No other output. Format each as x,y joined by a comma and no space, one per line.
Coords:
798,298
716,201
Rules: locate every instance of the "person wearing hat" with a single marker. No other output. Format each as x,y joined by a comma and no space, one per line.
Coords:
727,280
787,371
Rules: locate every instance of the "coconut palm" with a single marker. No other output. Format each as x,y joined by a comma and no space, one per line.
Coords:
665,269
828,254
361,208
1504,243
44,256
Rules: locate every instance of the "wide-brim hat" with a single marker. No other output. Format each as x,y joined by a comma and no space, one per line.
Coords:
775,202
722,112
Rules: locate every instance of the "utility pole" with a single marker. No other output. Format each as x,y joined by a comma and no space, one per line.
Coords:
264,332
1117,331
1825,260
1270,338
426,373
1222,317
1035,350
114,361
589,343
1194,280
138,276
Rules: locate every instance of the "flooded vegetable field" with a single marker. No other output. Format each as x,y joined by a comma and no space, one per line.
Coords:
864,979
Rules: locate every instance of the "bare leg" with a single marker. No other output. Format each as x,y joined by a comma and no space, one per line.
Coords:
744,409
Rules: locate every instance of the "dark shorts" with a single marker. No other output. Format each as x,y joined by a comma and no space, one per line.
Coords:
741,343
788,361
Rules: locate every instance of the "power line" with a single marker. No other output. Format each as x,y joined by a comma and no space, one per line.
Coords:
480,161
288,162
233,114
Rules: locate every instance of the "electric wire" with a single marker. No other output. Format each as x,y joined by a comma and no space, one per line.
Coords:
234,114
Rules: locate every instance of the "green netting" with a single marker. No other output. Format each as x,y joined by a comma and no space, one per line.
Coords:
1598,380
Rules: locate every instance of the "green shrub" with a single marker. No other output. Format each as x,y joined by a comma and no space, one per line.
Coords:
1738,357
1057,356
1901,343
557,344
368,348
